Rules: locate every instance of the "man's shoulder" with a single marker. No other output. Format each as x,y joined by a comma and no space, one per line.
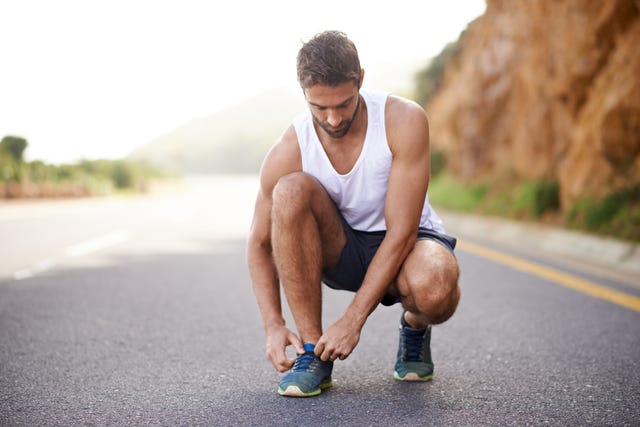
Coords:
398,110
283,157
398,106
405,121
285,148
288,138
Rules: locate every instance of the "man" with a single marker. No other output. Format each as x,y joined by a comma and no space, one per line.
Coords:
342,200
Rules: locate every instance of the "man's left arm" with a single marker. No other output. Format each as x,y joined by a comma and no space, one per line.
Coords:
408,135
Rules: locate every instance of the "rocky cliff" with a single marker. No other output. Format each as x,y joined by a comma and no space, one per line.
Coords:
545,90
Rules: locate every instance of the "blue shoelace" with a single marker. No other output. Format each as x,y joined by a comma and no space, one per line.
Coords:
413,341
304,362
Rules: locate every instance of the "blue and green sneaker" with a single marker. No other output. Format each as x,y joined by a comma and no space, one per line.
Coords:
414,354
308,377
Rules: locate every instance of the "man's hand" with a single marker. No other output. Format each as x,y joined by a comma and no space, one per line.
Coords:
278,339
338,341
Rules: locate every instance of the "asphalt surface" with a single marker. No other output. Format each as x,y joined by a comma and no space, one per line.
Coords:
143,314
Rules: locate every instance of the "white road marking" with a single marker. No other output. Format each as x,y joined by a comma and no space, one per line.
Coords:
32,271
96,244
80,249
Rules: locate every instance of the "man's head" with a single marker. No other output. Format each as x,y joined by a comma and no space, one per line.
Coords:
328,59
330,76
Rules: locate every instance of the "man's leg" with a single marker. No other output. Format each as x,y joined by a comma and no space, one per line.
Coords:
307,237
428,288
428,284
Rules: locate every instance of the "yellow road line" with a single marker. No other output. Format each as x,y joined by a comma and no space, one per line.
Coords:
556,276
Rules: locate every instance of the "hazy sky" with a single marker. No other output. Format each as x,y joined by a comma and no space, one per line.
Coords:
89,78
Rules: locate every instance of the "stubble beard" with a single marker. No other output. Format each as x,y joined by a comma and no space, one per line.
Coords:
347,126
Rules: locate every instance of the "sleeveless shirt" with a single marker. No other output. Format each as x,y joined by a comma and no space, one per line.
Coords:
359,194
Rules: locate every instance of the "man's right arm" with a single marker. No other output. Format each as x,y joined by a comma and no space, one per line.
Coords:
282,159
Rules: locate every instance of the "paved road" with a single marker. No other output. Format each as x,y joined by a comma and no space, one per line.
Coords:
139,312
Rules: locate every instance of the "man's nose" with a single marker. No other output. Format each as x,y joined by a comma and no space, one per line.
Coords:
333,118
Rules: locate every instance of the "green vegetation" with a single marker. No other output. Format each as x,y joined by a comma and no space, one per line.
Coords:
86,178
521,199
11,160
504,196
616,214
13,146
445,191
438,162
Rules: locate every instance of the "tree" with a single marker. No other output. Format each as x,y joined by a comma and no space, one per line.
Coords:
11,151
14,146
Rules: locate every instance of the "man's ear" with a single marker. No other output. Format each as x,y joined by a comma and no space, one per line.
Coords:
361,78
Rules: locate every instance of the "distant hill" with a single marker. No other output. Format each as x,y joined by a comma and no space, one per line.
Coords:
233,140
236,139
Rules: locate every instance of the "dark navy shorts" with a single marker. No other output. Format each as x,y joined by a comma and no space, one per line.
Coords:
358,252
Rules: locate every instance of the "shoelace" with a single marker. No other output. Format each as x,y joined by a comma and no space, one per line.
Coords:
413,341
304,362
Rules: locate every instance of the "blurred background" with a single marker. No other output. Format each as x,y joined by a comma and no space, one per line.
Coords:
131,137
534,106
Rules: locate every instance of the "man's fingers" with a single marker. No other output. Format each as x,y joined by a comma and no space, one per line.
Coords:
295,341
285,366
326,353
277,342
337,355
279,360
332,354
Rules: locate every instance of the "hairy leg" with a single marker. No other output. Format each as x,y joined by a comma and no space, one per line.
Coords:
428,284
306,236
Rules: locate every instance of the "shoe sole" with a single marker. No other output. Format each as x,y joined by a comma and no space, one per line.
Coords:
412,376
294,391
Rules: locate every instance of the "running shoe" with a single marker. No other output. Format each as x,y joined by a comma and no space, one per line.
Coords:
308,377
414,354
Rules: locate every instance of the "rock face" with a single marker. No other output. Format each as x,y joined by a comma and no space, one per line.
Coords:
546,90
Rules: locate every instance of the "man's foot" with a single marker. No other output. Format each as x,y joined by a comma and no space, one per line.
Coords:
308,377
414,354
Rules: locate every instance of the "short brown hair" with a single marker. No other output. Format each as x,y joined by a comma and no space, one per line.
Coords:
329,58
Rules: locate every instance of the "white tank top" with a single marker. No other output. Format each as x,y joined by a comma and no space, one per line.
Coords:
360,193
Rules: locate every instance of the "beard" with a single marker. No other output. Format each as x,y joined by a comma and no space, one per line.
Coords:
343,127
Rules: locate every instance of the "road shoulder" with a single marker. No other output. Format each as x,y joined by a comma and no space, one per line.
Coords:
606,256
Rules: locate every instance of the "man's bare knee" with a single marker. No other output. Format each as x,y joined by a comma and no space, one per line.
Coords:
290,197
436,301
433,291
439,307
